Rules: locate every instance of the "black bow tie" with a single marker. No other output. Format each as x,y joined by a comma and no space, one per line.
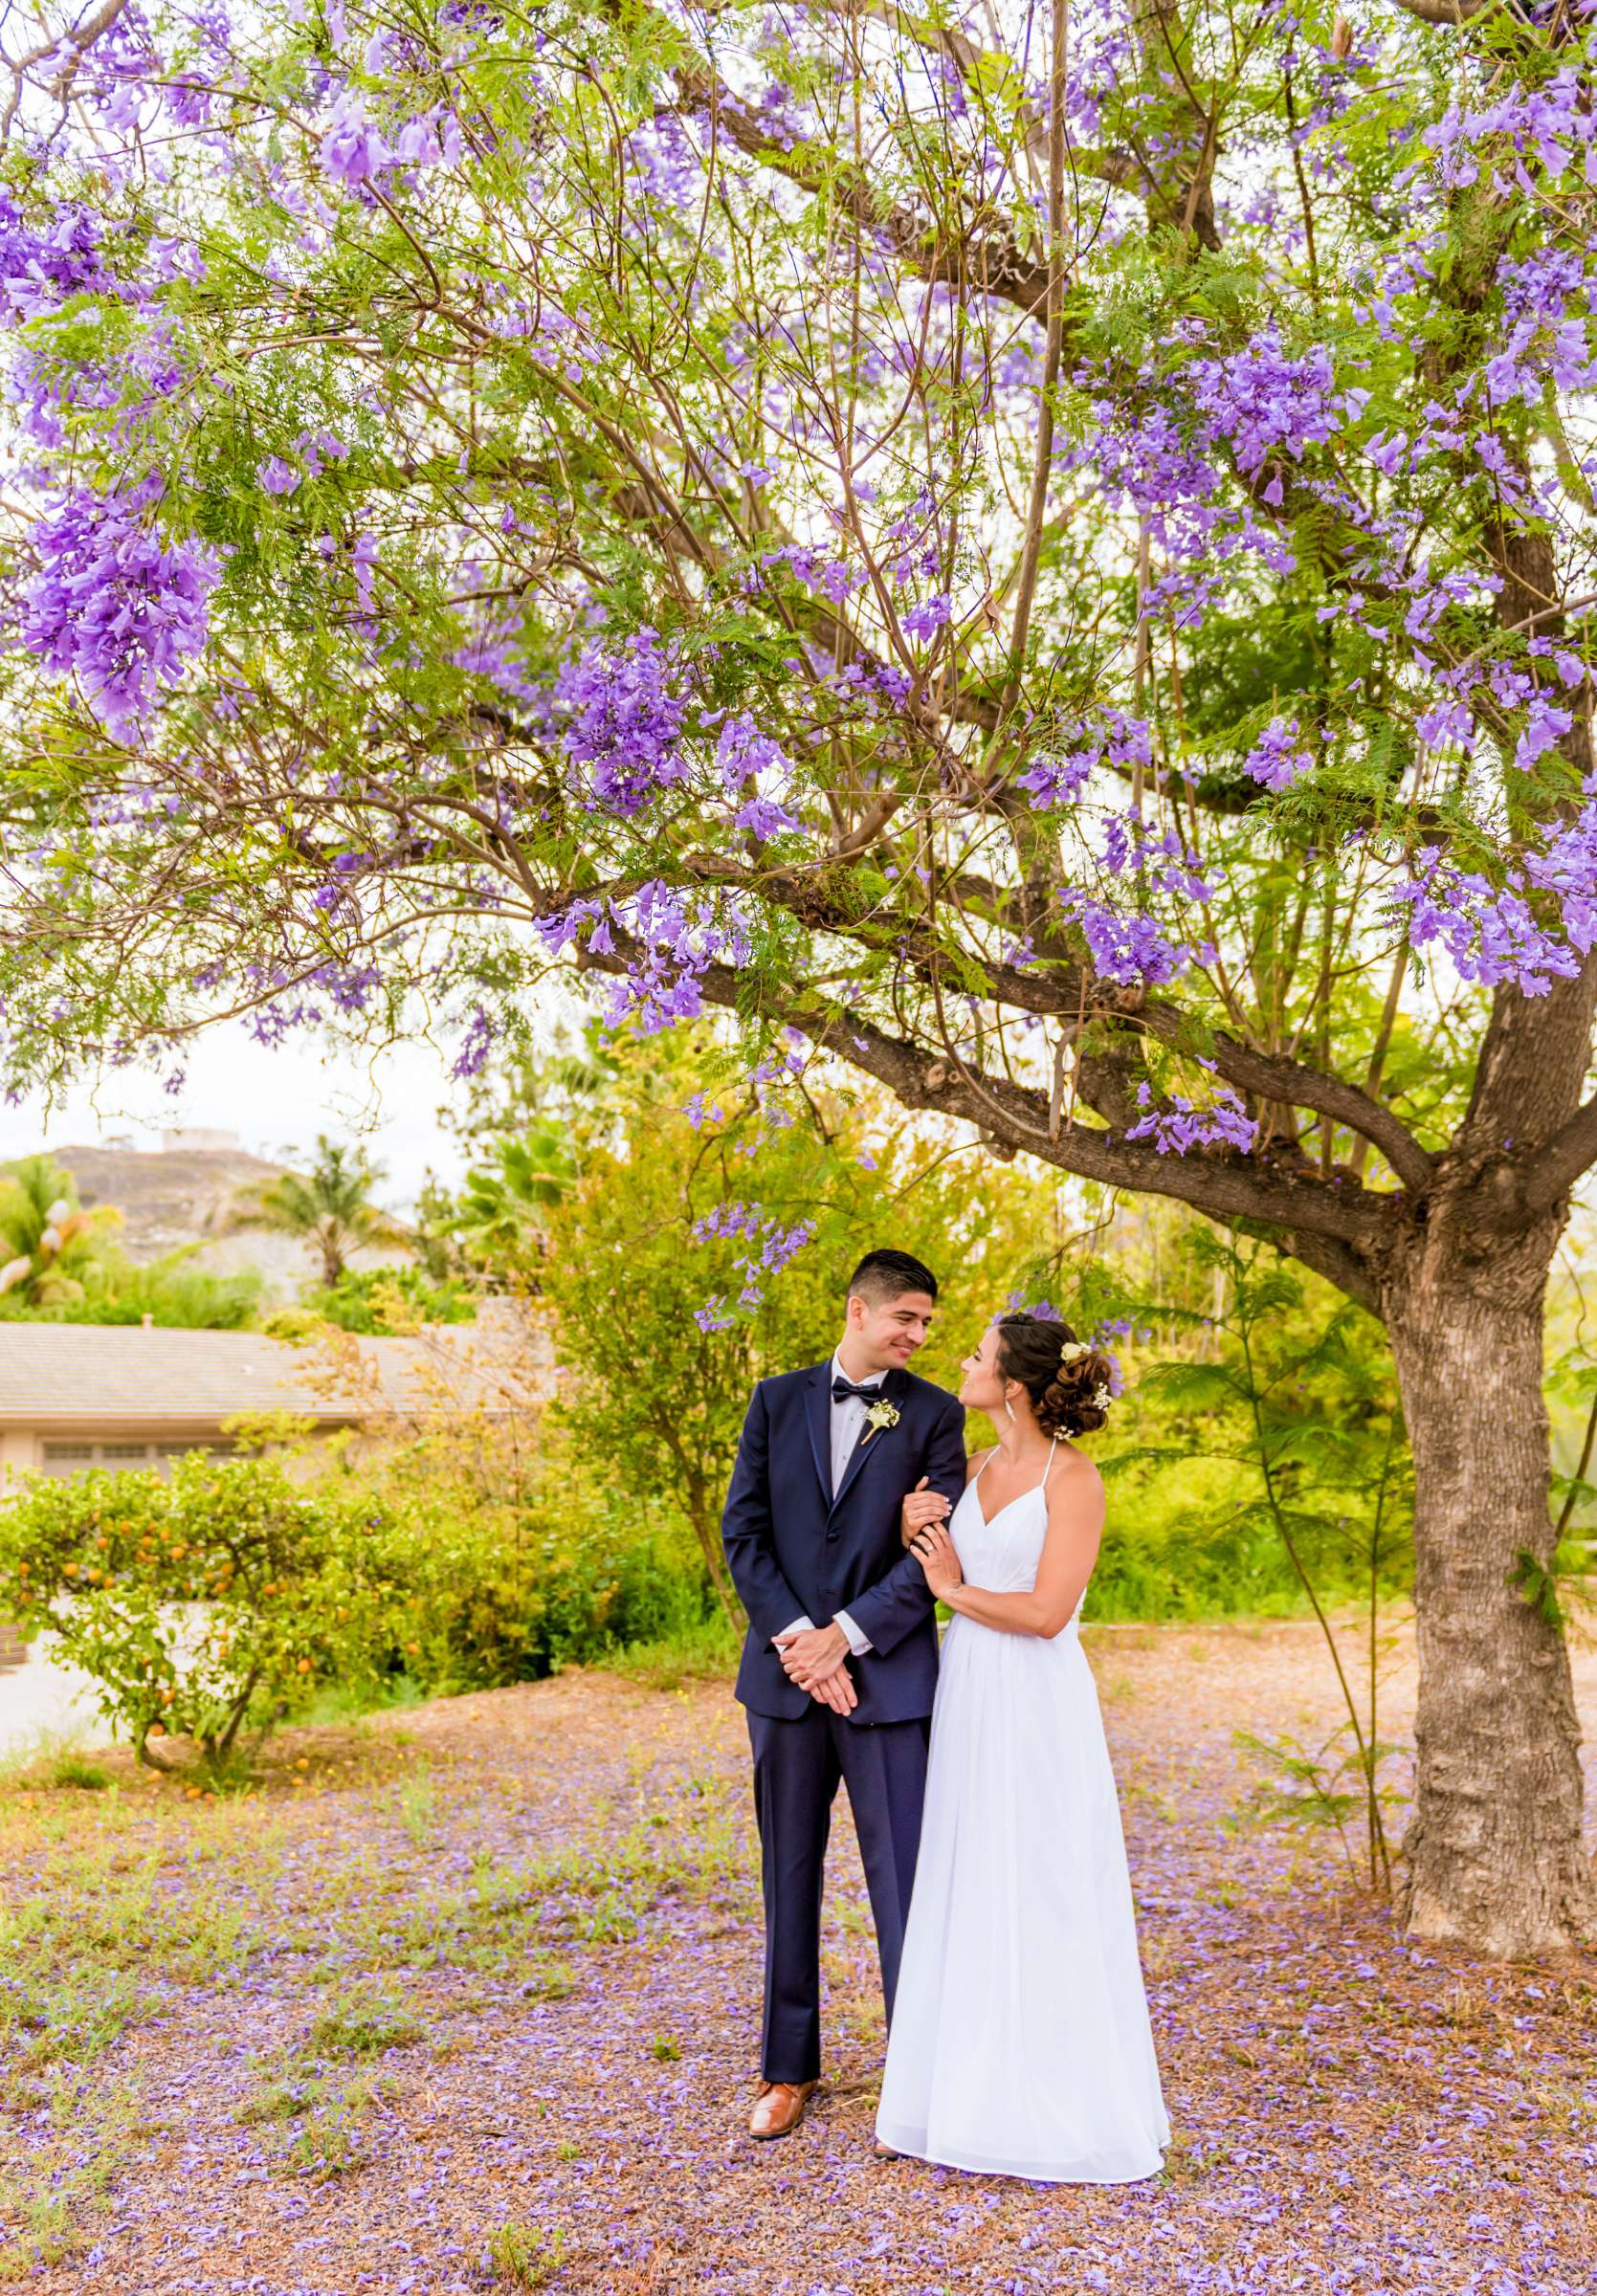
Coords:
842,1389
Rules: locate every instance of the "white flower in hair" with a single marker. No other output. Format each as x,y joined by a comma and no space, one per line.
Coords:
1073,1350
1101,1398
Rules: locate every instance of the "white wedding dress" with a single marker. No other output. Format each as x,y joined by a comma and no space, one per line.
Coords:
1020,2041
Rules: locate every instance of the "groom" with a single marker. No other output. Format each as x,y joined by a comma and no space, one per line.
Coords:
840,1660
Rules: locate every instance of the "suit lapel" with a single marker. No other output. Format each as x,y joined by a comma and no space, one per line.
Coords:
891,1387
817,1410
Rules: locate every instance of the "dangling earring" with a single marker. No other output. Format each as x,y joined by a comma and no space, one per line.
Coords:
1008,1407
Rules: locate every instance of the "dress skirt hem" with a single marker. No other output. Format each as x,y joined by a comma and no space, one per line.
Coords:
913,2142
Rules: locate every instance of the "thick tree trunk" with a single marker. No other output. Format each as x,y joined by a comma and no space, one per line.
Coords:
1492,1858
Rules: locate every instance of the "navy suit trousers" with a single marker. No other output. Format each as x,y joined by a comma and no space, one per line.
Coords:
797,1766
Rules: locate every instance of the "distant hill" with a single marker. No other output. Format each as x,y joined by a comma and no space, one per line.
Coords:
168,1196
183,1193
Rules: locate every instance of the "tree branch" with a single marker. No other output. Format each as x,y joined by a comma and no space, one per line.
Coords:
1068,991
1561,1162
994,263
1451,13
1272,1077
1217,1182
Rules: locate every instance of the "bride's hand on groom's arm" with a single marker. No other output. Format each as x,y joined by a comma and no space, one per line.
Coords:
922,1508
939,1561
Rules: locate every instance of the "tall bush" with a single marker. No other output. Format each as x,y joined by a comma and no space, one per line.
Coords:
206,1603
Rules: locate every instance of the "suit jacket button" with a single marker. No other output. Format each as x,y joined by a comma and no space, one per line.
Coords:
831,1537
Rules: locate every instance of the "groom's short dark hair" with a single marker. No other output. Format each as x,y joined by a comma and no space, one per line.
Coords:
883,1275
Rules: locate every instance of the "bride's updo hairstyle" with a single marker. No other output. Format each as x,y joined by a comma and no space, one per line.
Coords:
1068,1383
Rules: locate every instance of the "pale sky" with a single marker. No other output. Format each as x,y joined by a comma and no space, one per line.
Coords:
276,1100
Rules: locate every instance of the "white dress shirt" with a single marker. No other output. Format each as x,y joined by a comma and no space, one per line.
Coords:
848,1417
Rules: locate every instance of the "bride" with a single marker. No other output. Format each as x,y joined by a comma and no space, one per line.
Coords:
1020,2040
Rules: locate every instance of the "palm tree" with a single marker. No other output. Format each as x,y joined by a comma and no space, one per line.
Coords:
47,1239
330,1206
498,1214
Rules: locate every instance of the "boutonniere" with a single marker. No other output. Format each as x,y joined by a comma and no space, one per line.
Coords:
883,1414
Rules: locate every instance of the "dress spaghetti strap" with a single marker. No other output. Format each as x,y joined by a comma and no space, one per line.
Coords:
1049,1469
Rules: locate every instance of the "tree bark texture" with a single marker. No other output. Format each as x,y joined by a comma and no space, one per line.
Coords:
1492,1858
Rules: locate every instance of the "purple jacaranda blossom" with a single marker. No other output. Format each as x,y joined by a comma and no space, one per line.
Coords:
778,121
727,1220
476,1045
1178,1126
924,619
622,708
1445,721
1277,759
314,447
1125,947
677,935
354,151
756,768
1044,1310
1080,744
1490,932
1117,1327
1162,860
435,139
1567,867
662,159
278,477
1544,728
112,605
1266,402
40,268
832,576
362,558
771,1245
494,653
762,818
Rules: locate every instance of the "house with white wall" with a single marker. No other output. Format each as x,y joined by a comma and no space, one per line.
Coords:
75,1395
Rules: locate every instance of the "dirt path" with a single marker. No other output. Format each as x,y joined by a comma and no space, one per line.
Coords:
469,2001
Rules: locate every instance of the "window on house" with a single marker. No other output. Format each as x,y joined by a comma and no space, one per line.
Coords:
76,1458
67,1458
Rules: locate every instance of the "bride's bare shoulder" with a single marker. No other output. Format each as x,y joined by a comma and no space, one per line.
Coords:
977,1460
1075,1479
1076,1463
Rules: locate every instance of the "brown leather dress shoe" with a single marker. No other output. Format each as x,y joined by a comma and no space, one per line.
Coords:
780,2108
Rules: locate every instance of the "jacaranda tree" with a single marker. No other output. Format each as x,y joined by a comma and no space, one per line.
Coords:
1045,549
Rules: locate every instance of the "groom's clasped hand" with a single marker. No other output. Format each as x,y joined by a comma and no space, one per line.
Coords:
816,1657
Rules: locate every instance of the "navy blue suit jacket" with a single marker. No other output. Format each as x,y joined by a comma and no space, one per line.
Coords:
797,1550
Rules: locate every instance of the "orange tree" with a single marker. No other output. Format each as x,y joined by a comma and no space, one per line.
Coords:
201,1605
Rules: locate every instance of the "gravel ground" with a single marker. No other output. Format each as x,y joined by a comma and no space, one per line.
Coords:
466,1999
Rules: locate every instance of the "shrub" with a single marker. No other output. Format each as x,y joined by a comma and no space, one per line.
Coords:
110,1288
568,1574
389,1299
219,1598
